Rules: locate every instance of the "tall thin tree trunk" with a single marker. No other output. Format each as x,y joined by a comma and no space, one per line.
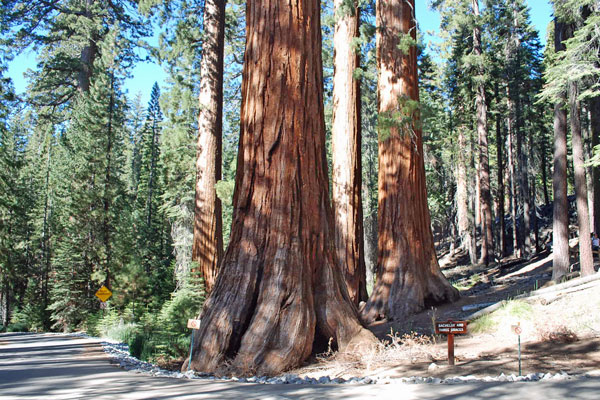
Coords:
280,285
594,105
560,217
473,200
346,152
512,174
462,195
207,245
408,276
501,190
487,237
583,218
544,168
525,240
107,198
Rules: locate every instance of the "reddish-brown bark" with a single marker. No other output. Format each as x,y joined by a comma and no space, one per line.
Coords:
207,246
583,216
346,155
560,217
279,286
408,276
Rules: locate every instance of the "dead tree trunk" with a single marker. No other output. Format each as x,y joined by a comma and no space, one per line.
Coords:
280,285
560,217
583,217
207,245
346,152
408,276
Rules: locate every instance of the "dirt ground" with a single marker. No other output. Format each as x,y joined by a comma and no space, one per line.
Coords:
561,336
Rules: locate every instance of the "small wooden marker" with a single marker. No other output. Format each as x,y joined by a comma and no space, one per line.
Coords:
451,328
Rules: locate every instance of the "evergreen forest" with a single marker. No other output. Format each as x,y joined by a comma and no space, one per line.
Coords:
297,175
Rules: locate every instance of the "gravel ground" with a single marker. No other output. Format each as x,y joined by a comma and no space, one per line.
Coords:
119,354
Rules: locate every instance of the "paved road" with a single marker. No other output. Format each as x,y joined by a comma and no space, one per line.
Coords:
36,366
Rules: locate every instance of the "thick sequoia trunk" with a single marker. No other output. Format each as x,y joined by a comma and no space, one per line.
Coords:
207,245
583,217
408,275
560,217
346,157
280,285
487,241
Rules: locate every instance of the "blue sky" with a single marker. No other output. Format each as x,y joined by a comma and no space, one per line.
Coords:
145,74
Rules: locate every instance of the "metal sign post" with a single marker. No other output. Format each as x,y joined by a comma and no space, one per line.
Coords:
451,328
192,324
517,330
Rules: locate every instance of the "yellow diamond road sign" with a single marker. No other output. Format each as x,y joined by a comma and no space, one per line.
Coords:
103,293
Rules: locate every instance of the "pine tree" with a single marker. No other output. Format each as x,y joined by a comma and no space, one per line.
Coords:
88,252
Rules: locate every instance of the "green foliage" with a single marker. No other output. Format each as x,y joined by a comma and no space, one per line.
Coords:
401,122
406,42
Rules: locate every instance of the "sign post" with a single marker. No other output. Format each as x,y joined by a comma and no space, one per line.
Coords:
517,330
451,328
192,324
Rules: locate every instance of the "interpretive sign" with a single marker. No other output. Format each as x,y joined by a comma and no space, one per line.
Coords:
451,328
103,293
193,323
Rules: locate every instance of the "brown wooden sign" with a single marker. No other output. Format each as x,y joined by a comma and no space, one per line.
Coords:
451,327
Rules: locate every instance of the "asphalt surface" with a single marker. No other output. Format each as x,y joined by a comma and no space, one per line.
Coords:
38,366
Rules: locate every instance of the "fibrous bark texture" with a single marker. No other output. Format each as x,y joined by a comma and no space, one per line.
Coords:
583,217
560,217
346,157
408,274
280,285
207,247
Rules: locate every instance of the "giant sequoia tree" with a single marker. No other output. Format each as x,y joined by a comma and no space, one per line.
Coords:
207,248
346,157
280,286
408,272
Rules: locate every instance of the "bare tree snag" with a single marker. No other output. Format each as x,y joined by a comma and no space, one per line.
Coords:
207,246
280,286
583,217
409,276
560,217
346,155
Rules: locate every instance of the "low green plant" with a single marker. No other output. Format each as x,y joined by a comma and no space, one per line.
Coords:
483,324
518,308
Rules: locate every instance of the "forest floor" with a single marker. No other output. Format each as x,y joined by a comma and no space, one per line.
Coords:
563,335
